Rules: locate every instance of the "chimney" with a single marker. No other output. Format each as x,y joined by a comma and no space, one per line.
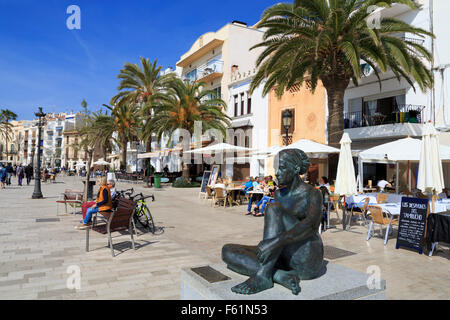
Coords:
239,23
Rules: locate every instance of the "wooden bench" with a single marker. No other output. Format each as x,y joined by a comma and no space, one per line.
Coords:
70,197
119,219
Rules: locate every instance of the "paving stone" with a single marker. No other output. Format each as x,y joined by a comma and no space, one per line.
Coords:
12,282
194,236
54,293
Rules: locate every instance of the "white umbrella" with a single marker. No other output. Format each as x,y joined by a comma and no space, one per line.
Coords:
312,149
431,177
101,162
268,151
220,147
80,164
407,149
345,179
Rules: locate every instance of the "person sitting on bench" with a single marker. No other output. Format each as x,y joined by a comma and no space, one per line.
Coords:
103,203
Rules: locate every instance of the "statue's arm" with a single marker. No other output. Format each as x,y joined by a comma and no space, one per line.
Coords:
296,230
301,230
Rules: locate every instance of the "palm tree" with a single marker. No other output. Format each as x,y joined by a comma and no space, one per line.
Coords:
326,40
125,121
137,86
182,105
102,130
5,127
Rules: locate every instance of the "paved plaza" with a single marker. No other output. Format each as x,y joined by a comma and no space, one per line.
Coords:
36,257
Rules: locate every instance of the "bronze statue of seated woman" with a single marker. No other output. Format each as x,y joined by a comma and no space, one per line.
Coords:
291,249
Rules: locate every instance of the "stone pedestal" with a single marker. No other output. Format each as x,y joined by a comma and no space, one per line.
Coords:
335,283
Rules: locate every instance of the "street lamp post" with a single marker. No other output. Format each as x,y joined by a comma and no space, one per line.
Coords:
37,194
287,122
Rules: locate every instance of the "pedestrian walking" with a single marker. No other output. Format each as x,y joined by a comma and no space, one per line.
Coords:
9,173
20,174
28,173
2,176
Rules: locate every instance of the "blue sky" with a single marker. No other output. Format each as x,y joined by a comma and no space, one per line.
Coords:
43,63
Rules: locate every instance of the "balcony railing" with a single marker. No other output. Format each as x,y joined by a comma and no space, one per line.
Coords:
214,66
406,113
414,40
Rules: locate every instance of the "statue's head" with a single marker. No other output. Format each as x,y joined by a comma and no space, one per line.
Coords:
290,163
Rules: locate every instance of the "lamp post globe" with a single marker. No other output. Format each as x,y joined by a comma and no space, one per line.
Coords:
37,194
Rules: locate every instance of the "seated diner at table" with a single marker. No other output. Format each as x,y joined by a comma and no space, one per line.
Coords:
220,184
258,209
254,186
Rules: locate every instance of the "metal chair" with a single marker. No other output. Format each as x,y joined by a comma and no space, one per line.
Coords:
376,213
362,213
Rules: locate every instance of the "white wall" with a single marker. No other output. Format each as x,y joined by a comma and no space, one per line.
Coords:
258,117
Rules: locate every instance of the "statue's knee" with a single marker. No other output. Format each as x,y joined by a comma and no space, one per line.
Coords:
227,252
271,211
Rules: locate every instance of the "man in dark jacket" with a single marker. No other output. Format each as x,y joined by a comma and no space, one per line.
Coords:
28,173
9,173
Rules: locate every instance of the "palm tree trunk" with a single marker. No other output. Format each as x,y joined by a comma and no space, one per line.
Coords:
186,172
88,175
7,147
124,154
335,93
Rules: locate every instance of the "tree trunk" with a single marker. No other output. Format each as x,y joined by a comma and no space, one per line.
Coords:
123,161
148,148
6,138
88,175
335,92
186,171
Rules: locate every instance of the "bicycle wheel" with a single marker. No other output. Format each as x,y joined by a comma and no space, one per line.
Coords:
149,218
140,216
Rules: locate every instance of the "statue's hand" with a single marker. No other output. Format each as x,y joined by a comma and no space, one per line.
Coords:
267,249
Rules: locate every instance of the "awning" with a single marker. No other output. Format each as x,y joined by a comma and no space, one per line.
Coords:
407,149
242,123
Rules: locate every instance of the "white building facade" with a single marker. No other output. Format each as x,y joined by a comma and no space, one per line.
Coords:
374,116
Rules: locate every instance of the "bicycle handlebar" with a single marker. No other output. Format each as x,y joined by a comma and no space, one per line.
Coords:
142,197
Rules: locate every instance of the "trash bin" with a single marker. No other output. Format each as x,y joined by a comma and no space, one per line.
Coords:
90,189
157,181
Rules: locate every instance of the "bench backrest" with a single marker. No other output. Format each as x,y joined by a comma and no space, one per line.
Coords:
72,194
122,214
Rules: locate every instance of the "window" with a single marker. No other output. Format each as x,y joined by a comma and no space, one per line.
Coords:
235,105
249,103
242,104
218,92
192,76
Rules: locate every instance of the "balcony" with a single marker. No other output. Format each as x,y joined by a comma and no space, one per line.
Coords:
211,70
207,72
404,113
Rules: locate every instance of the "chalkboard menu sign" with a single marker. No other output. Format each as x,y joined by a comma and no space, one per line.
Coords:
412,224
205,180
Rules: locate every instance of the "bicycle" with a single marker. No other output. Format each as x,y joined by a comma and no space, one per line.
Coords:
142,213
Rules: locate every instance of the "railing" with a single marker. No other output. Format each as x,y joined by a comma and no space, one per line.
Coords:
405,113
414,40
212,66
